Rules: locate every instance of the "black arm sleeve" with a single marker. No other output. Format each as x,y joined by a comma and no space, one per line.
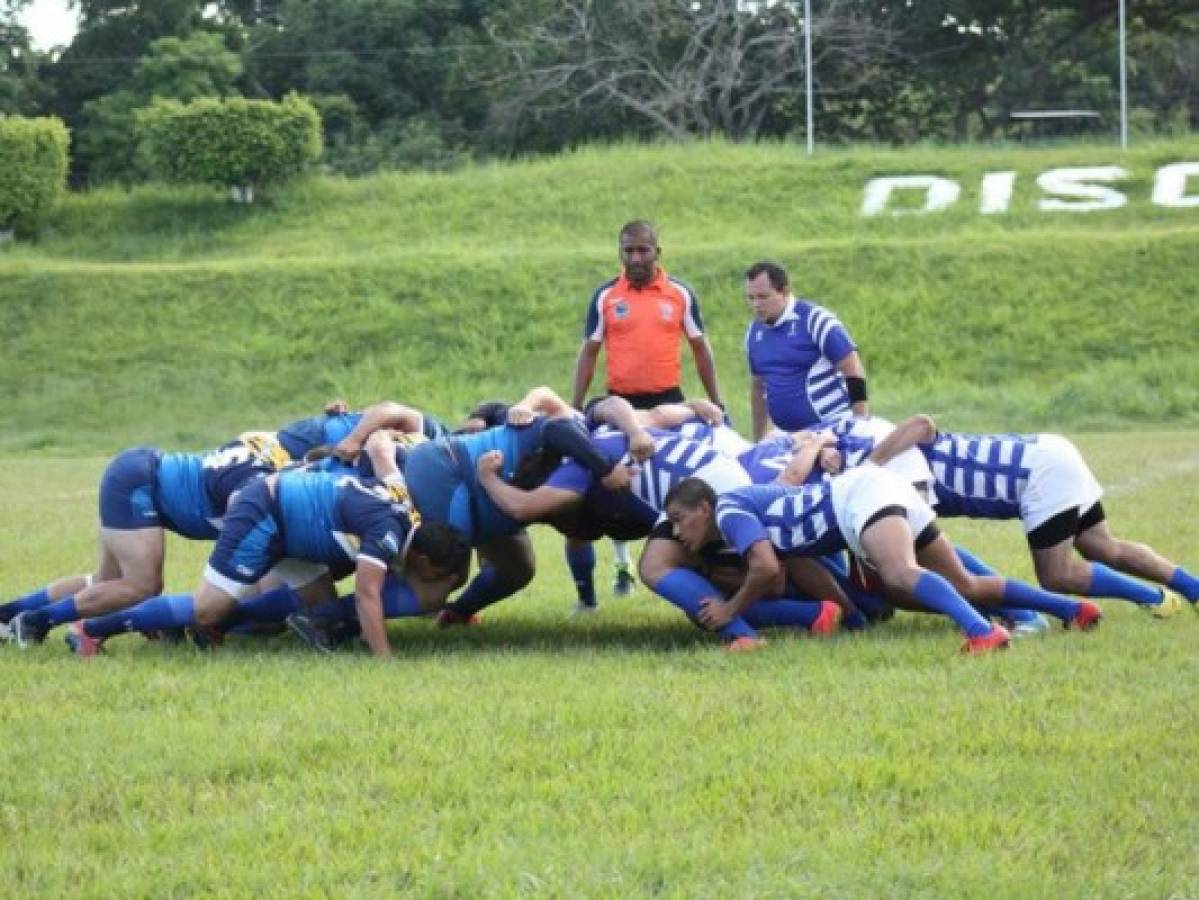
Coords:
568,438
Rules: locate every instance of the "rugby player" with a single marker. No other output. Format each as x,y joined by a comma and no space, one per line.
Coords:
307,529
144,493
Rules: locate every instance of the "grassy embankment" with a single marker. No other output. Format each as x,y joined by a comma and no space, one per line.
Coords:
171,317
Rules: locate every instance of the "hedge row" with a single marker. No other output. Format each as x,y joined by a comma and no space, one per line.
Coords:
239,143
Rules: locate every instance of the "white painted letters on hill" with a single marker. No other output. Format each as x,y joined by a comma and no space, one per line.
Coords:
1080,189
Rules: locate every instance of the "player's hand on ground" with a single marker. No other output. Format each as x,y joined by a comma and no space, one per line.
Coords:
620,478
490,463
715,613
641,445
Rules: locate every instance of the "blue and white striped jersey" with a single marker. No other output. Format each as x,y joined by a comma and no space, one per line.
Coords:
798,521
796,358
982,476
674,459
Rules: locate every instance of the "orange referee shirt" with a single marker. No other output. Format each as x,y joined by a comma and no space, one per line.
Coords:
641,329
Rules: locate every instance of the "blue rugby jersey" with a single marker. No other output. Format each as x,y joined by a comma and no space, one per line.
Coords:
982,476
301,436
796,359
765,461
192,491
798,521
297,438
339,519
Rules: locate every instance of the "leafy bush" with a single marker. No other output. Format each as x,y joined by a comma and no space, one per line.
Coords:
33,167
236,143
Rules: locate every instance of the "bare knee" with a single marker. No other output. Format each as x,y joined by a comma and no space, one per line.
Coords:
659,557
900,577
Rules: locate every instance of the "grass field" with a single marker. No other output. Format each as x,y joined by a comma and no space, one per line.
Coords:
621,755
624,754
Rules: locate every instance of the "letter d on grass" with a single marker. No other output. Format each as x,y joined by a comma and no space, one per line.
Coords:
939,193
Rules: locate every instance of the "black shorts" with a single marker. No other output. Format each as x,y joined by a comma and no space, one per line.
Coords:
1067,524
649,401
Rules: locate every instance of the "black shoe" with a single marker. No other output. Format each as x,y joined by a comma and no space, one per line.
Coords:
27,630
206,638
313,632
342,631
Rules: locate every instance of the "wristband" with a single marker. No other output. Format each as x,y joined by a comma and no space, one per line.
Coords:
857,388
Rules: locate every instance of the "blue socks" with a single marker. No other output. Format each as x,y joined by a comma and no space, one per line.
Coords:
54,614
938,594
1025,596
972,563
35,600
155,614
581,560
685,589
485,589
1107,582
272,606
1185,583
782,613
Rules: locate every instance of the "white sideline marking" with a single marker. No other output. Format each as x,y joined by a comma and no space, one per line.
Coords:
1153,475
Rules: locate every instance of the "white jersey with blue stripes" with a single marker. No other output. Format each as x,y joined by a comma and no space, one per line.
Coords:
980,475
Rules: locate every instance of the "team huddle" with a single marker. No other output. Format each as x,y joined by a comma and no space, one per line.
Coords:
826,520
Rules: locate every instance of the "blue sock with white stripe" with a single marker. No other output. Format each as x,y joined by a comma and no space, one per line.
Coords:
34,600
784,613
1107,582
581,560
155,614
938,594
685,589
1185,583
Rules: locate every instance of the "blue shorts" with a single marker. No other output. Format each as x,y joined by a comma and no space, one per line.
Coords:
127,491
436,484
250,543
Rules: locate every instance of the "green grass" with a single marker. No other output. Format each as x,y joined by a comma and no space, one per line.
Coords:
169,316
624,755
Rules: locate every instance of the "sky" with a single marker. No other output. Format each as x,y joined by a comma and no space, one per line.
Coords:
50,23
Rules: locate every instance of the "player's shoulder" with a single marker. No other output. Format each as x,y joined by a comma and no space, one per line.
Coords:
603,290
681,287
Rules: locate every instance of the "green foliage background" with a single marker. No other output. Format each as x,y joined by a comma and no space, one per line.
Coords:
168,315
231,142
33,167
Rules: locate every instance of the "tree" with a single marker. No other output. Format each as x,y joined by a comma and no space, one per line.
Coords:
22,90
174,68
683,68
